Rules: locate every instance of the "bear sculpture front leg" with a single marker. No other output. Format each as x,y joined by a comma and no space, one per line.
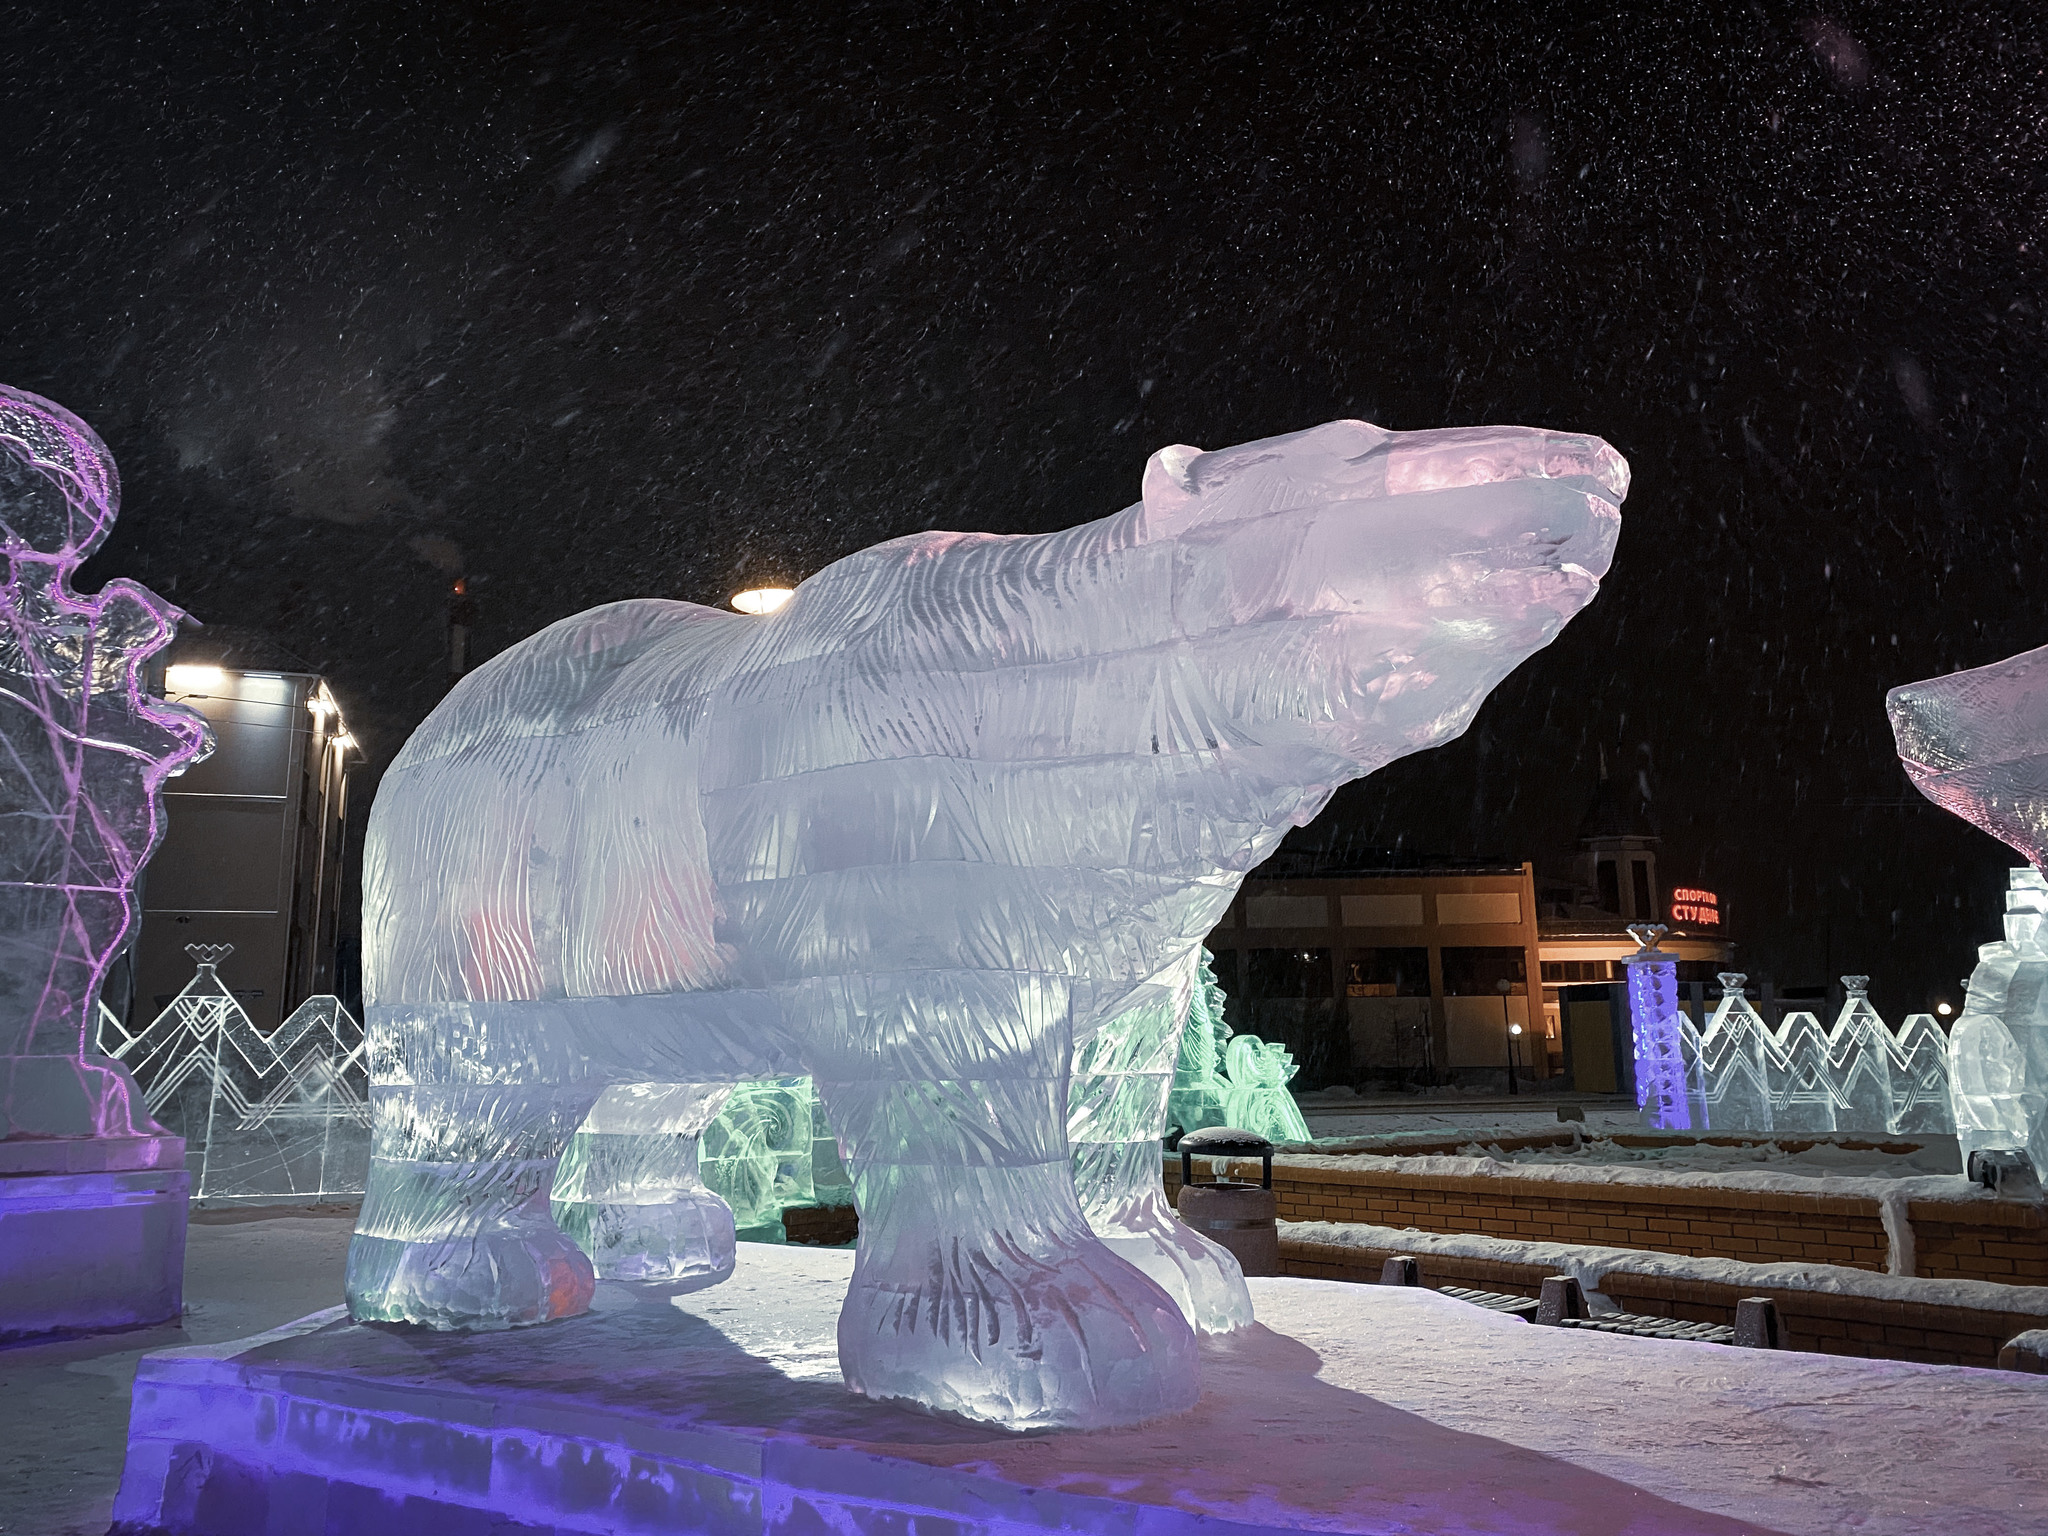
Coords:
979,1288
455,1230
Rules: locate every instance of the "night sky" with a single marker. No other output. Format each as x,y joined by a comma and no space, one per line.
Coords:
598,302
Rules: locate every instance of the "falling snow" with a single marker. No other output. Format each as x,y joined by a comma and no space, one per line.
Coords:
364,297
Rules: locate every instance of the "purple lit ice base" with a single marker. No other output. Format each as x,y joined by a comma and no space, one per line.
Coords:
1349,1409
1658,1027
92,1234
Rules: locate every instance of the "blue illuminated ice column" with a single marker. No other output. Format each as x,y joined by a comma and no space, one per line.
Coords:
1664,1068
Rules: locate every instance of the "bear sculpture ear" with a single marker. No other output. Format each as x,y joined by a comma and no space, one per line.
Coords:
1171,499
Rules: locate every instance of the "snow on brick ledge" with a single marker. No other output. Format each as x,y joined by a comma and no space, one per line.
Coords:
1936,1225
1588,1264
1824,1308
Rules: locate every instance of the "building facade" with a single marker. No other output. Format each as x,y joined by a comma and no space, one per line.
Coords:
1379,971
1387,975
252,848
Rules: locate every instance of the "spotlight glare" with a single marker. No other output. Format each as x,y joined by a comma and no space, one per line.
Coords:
761,600
193,679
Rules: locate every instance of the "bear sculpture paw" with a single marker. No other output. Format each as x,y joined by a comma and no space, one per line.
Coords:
509,1276
1015,1335
680,1238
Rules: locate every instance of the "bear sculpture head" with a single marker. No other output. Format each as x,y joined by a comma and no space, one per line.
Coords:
1405,572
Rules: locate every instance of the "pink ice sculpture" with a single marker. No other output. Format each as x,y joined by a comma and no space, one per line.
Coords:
84,752
1976,743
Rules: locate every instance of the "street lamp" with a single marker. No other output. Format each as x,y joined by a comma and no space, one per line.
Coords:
1504,986
762,600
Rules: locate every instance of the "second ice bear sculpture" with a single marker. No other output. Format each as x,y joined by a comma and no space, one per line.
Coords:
1976,744
966,803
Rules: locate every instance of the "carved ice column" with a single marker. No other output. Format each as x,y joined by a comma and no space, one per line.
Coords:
1998,1054
92,1190
1668,1089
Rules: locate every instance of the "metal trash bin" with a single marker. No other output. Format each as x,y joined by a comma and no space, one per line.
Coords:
1241,1218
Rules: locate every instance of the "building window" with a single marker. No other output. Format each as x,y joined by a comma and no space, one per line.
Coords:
1387,973
1639,870
1610,886
1289,997
1559,973
1478,971
1287,973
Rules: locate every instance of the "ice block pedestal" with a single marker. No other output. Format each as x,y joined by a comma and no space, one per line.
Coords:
92,1233
1349,1408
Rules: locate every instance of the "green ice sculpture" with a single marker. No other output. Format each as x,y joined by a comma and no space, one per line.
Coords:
1220,1080
770,1149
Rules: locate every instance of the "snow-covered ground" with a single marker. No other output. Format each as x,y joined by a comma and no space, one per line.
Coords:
1354,1408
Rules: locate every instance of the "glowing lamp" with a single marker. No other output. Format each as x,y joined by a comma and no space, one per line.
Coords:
1943,1009
1514,1029
759,600
192,679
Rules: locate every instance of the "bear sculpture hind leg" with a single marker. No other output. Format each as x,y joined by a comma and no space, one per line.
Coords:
979,1288
629,1190
455,1230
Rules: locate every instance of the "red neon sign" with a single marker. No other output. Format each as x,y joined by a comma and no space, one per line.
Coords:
1691,905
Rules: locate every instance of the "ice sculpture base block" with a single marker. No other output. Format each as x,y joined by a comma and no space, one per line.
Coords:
96,1242
1352,1409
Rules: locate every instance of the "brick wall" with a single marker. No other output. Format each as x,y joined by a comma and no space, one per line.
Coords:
2001,1240
1998,1240
1822,1322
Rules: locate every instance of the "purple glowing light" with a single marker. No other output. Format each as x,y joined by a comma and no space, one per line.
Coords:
84,752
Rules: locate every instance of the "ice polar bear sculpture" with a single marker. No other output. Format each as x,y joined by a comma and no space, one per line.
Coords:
962,809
